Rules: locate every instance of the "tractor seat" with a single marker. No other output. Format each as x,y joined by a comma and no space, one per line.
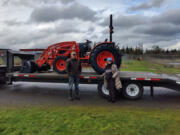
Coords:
84,48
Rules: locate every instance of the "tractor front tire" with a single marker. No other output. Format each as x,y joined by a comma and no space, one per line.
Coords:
28,67
101,53
59,64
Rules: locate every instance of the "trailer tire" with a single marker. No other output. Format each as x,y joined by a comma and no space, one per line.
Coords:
102,91
59,64
101,53
132,90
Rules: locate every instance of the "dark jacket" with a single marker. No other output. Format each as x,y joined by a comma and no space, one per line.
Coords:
108,72
73,67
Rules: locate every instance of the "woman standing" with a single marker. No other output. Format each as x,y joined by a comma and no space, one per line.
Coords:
112,79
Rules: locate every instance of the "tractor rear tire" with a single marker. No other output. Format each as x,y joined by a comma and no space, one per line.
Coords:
101,53
59,64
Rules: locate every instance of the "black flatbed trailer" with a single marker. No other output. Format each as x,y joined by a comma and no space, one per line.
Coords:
133,82
130,80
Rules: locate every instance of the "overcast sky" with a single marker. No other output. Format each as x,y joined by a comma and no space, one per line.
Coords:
40,23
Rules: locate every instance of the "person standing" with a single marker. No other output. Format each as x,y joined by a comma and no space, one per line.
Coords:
73,69
112,79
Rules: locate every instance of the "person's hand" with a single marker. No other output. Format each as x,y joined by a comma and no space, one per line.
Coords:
102,75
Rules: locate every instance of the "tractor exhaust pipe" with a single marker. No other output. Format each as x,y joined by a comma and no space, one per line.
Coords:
111,27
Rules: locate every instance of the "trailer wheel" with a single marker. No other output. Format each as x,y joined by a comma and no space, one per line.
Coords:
102,91
101,53
132,91
59,64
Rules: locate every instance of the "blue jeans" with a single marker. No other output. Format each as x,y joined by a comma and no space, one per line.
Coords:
73,80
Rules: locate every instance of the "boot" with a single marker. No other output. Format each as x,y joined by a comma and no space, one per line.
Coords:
70,95
113,100
113,96
77,94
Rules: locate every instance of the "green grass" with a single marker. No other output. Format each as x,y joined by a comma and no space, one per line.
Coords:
88,121
16,62
148,66
1,61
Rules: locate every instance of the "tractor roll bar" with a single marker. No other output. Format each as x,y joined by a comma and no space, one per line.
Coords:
111,27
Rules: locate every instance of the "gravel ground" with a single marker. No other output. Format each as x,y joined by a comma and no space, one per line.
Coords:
22,94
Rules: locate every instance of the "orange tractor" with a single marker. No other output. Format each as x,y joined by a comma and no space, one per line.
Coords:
55,56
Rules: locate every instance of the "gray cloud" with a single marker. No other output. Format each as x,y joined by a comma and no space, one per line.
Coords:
147,5
160,29
65,27
17,36
165,24
135,29
13,22
53,13
170,16
41,32
46,24
33,3
126,22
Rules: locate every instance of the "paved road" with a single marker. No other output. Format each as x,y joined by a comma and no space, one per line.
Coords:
56,95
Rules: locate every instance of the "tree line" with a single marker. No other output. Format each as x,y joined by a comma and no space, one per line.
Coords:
154,50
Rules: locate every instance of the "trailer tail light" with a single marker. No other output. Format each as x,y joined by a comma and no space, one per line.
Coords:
23,75
20,75
93,77
81,77
140,79
155,79
32,76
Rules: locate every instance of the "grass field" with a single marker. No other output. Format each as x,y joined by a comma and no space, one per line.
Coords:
148,66
16,62
1,61
88,121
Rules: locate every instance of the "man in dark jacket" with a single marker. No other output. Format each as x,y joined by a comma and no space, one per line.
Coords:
73,68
